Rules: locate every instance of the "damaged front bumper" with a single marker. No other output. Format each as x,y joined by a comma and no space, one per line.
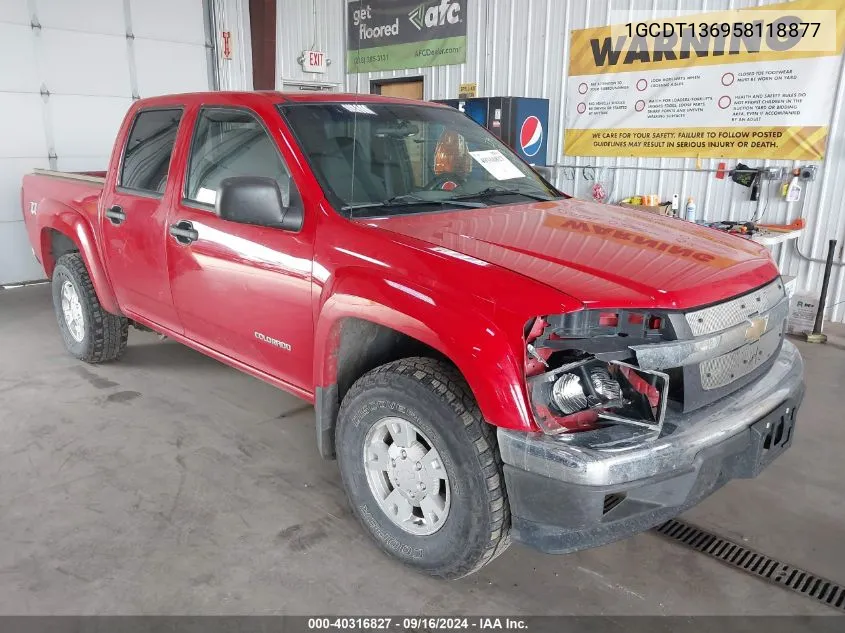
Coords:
567,494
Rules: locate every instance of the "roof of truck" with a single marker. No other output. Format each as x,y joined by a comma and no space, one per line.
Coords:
242,97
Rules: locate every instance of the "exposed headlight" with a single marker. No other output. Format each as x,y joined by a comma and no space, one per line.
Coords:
604,385
581,394
568,394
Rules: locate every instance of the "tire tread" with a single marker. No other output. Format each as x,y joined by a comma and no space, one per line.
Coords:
445,381
109,332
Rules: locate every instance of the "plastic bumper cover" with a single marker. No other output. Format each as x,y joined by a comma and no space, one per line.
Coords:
566,497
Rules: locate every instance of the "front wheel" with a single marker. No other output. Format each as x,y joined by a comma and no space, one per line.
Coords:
89,332
421,468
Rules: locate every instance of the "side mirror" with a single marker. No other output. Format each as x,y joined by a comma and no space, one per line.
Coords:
257,200
547,173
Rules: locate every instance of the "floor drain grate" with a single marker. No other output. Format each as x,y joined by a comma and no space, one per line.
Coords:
821,590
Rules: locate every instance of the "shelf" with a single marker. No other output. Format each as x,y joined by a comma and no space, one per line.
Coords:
770,238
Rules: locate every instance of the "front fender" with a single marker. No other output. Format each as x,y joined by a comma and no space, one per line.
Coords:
488,356
53,215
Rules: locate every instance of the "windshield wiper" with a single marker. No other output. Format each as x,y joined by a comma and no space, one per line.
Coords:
407,200
491,192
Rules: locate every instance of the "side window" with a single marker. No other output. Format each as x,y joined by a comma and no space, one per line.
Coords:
146,158
231,143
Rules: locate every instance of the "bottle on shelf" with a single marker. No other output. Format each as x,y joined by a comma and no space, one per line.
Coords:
690,210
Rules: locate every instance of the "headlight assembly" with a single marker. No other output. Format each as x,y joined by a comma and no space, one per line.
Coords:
582,394
580,375
568,394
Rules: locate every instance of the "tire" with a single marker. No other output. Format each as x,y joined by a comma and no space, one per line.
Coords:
434,397
94,335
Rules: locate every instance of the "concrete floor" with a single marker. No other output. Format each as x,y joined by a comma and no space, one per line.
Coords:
170,484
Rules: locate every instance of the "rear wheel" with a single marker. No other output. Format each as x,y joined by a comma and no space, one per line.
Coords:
89,332
421,468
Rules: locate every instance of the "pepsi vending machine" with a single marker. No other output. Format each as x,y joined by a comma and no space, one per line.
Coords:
522,123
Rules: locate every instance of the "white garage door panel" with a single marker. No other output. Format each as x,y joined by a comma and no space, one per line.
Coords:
21,126
92,16
15,11
16,44
86,126
85,64
83,58
12,170
17,262
165,67
174,20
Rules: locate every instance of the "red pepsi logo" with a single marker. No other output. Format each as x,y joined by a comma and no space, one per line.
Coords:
531,136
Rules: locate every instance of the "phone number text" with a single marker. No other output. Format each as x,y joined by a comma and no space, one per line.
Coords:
369,59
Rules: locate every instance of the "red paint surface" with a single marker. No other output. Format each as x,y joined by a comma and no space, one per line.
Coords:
464,282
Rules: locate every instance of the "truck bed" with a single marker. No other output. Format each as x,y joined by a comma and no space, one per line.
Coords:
85,176
66,195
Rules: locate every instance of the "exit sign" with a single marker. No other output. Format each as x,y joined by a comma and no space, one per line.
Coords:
313,61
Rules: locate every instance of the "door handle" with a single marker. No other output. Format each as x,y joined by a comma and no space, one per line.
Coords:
115,215
184,232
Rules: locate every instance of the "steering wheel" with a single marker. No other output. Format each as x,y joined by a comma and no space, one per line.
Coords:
445,182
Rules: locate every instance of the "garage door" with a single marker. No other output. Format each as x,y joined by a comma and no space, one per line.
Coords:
69,70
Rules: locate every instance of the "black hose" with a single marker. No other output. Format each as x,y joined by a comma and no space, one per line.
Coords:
828,266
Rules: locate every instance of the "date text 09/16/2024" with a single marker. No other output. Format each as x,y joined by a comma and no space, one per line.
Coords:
417,623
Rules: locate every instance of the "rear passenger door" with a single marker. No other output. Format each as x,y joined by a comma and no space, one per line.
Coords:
240,289
133,218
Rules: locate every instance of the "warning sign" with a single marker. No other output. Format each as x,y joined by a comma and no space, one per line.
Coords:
750,83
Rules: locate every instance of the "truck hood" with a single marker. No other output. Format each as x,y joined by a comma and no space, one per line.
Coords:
602,255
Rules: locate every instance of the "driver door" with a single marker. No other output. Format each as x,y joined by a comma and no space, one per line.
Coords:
240,289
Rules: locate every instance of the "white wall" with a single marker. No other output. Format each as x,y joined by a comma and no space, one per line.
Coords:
70,69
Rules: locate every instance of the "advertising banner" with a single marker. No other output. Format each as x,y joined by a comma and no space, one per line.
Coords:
746,83
397,34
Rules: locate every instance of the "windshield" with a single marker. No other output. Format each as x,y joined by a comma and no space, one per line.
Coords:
390,159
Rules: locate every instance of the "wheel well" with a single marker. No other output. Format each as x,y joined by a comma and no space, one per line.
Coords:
363,346
58,244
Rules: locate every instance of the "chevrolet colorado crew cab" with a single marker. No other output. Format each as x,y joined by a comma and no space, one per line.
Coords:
489,359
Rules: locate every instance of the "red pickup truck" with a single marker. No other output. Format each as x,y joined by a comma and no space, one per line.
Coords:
489,359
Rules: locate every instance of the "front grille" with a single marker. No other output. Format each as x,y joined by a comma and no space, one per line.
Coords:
721,371
719,349
734,311
727,371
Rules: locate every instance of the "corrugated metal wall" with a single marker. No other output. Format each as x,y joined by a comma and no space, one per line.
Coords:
311,25
232,16
520,47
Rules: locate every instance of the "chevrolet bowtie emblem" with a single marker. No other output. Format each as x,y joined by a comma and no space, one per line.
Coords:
756,329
